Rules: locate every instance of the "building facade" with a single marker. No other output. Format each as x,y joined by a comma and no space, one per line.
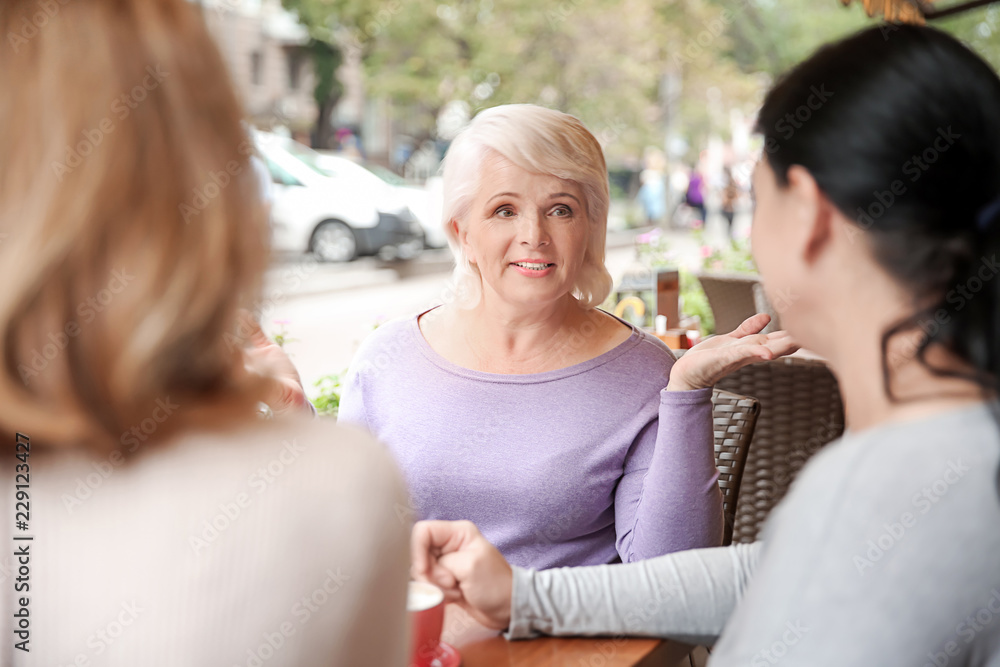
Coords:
265,48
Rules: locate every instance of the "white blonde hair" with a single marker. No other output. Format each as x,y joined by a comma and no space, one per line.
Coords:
542,141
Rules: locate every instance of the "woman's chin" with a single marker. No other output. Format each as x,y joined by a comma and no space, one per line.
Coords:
533,296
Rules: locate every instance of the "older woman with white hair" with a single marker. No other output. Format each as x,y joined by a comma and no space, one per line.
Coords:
569,436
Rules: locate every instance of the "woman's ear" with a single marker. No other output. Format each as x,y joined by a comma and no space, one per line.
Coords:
462,235
813,211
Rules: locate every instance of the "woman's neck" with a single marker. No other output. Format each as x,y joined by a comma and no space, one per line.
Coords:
513,335
517,341
912,391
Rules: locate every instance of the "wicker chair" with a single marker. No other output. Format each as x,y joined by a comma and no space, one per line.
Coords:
801,411
734,418
734,297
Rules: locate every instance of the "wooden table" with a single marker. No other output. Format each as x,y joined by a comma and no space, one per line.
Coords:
482,647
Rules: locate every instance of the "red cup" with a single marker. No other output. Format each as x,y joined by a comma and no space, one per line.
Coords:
425,604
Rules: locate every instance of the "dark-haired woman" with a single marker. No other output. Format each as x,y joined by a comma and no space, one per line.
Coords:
880,216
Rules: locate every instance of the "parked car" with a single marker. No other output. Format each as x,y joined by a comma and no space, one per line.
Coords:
337,218
424,201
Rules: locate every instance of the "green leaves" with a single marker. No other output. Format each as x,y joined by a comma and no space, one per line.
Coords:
327,401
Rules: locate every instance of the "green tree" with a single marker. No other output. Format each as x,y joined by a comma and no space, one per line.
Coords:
326,59
774,35
602,60
979,29
628,68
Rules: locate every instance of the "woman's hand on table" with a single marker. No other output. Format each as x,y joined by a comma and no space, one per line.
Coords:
455,556
265,357
713,359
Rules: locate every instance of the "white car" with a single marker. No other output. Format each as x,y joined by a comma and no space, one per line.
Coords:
424,202
336,218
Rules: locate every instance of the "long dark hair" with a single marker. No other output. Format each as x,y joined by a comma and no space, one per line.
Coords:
900,127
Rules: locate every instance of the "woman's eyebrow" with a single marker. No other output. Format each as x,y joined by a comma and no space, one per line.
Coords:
566,194
502,194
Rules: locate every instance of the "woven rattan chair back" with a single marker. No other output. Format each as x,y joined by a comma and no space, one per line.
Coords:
731,298
800,412
734,297
734,418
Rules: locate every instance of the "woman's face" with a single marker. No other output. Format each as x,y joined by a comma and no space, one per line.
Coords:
526,232
772,238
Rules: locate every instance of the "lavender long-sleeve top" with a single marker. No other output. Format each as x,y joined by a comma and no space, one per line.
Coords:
578,466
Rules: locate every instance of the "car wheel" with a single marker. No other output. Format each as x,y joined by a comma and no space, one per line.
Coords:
334,242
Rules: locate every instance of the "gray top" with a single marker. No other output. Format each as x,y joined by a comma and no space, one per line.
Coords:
886,551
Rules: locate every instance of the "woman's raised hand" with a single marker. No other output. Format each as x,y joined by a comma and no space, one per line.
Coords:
713,359
455,556
265,357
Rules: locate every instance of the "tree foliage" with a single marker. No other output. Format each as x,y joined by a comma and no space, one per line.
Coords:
627,68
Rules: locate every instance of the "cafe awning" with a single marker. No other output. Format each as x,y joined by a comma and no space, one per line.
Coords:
916,11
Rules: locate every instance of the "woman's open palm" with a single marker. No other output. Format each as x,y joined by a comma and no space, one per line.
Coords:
713,359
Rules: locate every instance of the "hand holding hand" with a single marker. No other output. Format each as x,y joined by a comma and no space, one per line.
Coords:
713,359
454,556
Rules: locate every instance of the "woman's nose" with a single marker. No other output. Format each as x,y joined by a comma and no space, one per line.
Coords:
533,233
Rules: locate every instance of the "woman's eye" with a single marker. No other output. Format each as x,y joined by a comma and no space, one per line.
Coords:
562,211
504,213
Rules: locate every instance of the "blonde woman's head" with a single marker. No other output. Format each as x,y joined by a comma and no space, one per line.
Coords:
130,228
543,142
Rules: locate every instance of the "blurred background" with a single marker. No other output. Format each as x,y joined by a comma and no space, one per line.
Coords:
354,103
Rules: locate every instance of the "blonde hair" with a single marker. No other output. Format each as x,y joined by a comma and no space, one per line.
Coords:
130,226
542,141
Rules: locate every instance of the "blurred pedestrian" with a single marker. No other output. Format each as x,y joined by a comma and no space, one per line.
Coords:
730,195
653,196
695,196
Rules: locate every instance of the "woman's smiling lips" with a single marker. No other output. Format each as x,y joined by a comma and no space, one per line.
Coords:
533,268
